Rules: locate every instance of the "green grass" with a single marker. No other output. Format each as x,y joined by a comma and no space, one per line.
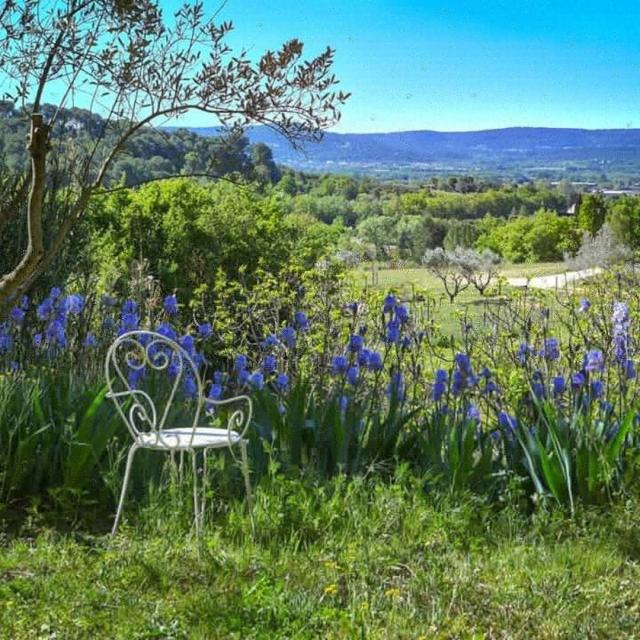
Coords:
405,278
469,304
345,560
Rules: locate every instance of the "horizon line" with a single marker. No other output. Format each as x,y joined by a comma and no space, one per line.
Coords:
449,131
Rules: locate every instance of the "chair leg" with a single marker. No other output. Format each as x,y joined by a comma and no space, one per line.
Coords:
247,484
205,486
123,491
196,511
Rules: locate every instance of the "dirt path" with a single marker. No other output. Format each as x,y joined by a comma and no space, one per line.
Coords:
555,280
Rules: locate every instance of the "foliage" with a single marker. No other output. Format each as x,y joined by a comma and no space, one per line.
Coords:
333,560
55,440
148,155
543,237
138,68
189,234
624,219
353,386
591,214
602,250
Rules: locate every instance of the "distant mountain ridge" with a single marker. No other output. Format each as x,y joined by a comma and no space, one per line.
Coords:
514,149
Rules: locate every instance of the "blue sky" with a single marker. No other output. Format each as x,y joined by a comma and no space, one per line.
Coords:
462,65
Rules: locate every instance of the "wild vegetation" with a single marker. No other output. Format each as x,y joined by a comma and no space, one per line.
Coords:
446,460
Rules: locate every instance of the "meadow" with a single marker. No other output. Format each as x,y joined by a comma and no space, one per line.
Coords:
409,482
424,465
344,559
413,276
411,282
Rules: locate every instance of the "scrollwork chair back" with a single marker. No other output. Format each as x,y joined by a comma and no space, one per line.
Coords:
137,355
148,359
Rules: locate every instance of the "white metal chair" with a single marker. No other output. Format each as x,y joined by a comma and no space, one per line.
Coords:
150,423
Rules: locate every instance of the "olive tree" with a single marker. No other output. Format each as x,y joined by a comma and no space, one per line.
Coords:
604,249
127,62
483,268
452,268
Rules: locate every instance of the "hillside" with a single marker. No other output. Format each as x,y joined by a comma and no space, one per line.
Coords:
512,152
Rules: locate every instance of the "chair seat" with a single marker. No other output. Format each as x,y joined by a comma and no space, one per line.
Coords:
181,438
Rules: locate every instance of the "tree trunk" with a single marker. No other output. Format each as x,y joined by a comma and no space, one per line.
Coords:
38,147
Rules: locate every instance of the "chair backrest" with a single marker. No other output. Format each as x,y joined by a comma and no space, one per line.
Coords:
137,356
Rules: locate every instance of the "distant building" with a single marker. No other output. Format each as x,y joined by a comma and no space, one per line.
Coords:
618,193
574,205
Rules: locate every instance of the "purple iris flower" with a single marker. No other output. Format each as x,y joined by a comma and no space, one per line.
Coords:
559,385
188,344
269,364
375,361
73,304
507,422
270,341
170,304
356,343
597,388
190,386
551,349
389,303
205,330
339,364
215,392
537,389
44,309
594,361
288,337
577,380
393,331
282,381
438,390
17,315
256,380
301,321
442,376
629,370
473,414
129,306
363,358
165,329
402,313
240,362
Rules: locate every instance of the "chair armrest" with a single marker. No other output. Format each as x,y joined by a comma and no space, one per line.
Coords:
240,419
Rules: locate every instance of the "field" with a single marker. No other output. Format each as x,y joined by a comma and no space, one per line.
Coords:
469,306
407,485
339,560
384,453
405,278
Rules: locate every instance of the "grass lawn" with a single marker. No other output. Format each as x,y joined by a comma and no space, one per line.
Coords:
469,304
345,560
419,277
